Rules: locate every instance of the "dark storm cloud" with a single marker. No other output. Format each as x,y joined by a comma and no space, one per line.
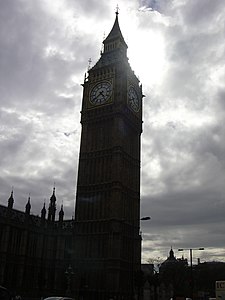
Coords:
203,13
183,165
33,58
38,61
20,51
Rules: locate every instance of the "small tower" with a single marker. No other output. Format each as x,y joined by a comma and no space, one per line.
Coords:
61,214
10,201
28,207
52,207
43,213
171,254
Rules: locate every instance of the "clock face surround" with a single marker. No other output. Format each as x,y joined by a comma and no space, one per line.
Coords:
133,99
100,93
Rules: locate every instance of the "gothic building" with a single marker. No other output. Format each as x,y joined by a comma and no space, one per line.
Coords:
103,244
35,252
107,210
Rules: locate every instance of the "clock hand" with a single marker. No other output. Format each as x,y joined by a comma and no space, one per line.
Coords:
96,98
103,96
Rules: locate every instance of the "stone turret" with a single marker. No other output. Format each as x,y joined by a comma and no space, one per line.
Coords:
52,207
28,207
61,214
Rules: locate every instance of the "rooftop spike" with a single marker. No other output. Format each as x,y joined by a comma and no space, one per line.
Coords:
43,211
10,200
61,214
117,9
53,197
28,206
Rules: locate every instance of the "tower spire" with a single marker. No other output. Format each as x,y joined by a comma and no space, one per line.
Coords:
115,33
43,212
11,200
28,206
61,214
52,206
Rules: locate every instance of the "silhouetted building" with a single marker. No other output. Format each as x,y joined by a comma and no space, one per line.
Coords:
103,245
108,189
168,281
34,251
204,277
172,262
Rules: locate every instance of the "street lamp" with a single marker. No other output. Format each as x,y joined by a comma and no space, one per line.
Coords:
145,218
69,273
138,274
191,251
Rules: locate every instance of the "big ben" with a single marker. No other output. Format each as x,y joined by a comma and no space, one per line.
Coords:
107,213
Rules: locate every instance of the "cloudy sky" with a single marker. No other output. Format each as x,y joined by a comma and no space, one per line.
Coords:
177,49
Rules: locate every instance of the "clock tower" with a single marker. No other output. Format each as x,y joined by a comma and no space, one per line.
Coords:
107,214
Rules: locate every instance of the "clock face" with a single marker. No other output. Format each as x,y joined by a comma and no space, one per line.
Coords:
100,93
133,99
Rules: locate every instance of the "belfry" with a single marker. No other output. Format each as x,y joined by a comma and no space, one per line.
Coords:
107,256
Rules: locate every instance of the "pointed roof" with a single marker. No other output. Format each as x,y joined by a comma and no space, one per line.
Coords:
115,48
53,197
171,259
11,200
61,214
28,206
43,211
171,254
11,195
115,32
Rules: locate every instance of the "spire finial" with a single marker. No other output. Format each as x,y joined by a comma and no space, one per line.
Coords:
117,9
28,199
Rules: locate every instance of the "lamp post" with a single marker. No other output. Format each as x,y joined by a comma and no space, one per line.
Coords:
69,273
145,218
191,255
138,274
